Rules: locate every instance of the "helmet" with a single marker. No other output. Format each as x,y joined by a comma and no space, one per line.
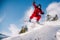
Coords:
39,5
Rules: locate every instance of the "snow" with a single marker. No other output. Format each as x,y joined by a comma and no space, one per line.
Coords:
53,23
13,29
58,35
47,31
53,9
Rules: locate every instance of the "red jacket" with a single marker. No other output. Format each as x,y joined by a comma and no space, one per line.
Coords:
36,9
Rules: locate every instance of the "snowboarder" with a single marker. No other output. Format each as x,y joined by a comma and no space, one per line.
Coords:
37,12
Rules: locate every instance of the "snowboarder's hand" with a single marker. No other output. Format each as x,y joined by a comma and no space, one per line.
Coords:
42,13
34,2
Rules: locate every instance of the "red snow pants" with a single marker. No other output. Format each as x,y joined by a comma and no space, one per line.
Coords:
35,15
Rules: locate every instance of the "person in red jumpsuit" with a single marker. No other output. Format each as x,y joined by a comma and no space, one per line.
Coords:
37,12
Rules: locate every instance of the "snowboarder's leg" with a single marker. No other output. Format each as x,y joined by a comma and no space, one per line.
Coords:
33,15
38,18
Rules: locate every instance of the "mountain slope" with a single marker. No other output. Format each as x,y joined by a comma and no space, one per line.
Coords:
2,36
40,32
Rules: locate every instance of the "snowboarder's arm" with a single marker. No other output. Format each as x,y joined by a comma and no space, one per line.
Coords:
41,12
34,4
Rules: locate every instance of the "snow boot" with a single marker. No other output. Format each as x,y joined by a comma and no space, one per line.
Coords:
38,22
29,20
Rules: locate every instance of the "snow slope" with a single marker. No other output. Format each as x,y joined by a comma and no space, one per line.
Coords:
39,32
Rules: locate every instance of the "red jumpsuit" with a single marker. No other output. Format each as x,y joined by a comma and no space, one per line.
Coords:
36,12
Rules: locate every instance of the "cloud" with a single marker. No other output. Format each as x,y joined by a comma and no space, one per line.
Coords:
14,30
53,9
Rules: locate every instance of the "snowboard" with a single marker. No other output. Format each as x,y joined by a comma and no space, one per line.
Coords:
32,22
28,21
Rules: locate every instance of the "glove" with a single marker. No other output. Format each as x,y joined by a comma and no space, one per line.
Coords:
33,2
42,13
